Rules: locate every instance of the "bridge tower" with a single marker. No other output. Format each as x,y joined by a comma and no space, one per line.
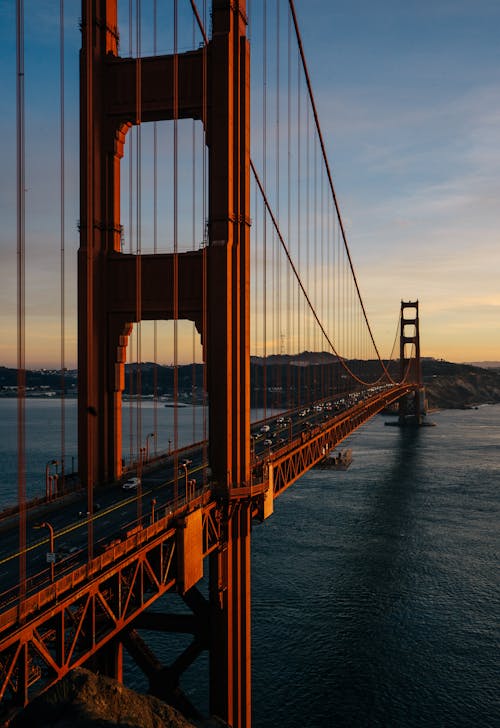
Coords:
411,368
209,287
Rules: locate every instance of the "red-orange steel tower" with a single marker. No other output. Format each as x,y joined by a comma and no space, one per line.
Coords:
116,289
411,367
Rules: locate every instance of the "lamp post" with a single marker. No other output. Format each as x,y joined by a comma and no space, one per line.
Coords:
47,471
142,452
184,465
51,556
151,434
142,460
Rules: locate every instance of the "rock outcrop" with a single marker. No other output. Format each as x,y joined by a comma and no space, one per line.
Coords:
459,386
86,700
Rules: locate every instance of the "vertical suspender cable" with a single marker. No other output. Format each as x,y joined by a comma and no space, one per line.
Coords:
344,305
155,244
193,247
62,243
322,269
254,319
205,246
21,302
138,241
131,248
202,24
330,281
289,317
336,279
338,307
175,287
299,236
264,218
276,251
327,273
315,252
316,276
307,364
89,243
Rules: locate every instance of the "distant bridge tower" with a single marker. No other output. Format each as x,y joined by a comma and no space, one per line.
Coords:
116,290
411,408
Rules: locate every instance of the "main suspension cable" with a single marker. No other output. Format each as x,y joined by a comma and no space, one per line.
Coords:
330,179
301,285
334,197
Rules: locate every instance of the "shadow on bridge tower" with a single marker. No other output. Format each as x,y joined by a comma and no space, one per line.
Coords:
209,286
412,407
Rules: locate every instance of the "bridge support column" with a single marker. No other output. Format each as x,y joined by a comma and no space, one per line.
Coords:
116,289
228,358
108,660
230,658
228,281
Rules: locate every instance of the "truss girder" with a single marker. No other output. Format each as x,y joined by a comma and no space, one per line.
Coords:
301,456
71,625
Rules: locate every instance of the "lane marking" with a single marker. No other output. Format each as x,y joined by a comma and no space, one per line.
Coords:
105,511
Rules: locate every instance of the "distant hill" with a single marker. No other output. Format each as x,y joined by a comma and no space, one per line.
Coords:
40,379
455,386
486,364
283,381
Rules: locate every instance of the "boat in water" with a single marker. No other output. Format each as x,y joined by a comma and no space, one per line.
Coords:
336,461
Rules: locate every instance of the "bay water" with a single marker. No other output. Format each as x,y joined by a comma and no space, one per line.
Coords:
375,591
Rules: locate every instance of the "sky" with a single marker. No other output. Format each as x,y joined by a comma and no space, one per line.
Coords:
410,107
408,95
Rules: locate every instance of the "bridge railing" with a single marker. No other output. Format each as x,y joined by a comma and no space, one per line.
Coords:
137,538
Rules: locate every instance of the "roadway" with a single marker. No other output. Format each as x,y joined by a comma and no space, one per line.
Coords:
117,511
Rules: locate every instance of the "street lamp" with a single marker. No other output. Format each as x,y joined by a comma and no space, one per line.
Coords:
142,459
51,555
184,465
47,482
151,434
142,452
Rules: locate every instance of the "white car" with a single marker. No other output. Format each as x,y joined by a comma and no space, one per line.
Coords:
131,484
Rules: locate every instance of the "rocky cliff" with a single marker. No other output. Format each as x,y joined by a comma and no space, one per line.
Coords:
458,386
86,700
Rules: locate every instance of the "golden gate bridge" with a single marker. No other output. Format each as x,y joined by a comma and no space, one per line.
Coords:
245,254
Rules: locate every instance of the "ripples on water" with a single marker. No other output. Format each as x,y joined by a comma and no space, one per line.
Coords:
376,595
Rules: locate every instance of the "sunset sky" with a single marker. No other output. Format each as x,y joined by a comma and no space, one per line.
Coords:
408,95
410,105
